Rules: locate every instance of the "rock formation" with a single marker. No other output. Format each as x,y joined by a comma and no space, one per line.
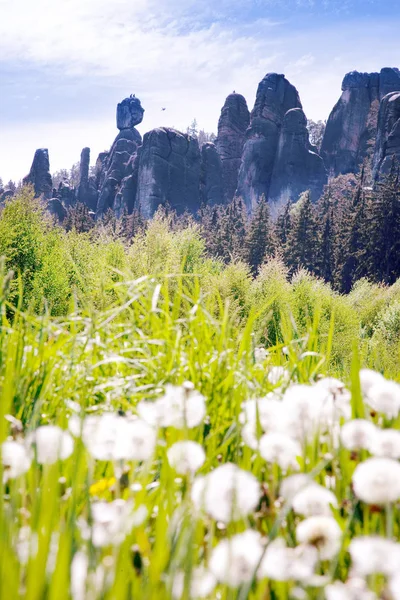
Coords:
39,175
57,209
297,165
232,127
388,135
275,96
211,183
119,163
345,142
86,192
168,172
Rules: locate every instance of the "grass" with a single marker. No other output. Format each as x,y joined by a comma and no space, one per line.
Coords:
159,312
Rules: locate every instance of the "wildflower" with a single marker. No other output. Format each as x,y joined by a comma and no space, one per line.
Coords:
281,449
277,374
322,532
335,399
180,407
112,437
259,416
234,561
386,443
260,354
16,459
112,521
353,589
301,412
313,500
358,434
186,457
227,493
79,572
293,484
52,444
377,481
27,544
369,378
372,555
281,563
202,583
384,397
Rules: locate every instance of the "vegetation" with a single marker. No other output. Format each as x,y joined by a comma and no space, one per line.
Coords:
96,328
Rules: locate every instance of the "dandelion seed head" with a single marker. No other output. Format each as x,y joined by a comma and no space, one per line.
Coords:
358,434
234,561
377,481
323,533
52,444
186,457
280,449
15,458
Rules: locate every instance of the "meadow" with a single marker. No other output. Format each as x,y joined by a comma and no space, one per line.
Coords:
172,427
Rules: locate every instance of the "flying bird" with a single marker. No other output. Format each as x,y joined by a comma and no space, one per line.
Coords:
163,109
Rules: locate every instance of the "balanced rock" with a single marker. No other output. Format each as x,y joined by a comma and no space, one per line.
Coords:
57,209
211,186
39,175
275,96
118,164
129,113
345,142
168,172
232,127
297,166
388,137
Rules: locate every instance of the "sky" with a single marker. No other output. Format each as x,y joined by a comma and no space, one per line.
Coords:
65,64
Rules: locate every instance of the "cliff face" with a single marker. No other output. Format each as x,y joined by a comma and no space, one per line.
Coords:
168,172
388,137
39,174
344,146
297,166
232,127
275,96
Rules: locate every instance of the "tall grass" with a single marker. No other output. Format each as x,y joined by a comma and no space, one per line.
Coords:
114,327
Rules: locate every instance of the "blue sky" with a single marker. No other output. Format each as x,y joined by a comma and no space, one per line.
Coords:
64,64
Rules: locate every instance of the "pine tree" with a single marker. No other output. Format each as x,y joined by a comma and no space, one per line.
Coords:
302,242
351,263
326,261
259,240
283,225
384,229
232,225
79,218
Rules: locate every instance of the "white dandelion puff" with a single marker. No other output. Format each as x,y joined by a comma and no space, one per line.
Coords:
314,500
234,561
280,449
354,589
372,555
180,407
358,434
386,443
202,583
323,533
377,481
52,444
278,374
186,457
384,397
293,484
112,521
369,378
281,563
15,458
227,493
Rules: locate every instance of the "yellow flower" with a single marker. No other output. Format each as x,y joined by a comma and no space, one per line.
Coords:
102,485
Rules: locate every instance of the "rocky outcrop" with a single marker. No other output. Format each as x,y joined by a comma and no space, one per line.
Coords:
57,209
86,192
232,127
65,193
297,165
388,137
119,162
345,143
211,183
39,175
275,96
168,172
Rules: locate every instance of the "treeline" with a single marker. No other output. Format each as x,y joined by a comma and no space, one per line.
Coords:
352,232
